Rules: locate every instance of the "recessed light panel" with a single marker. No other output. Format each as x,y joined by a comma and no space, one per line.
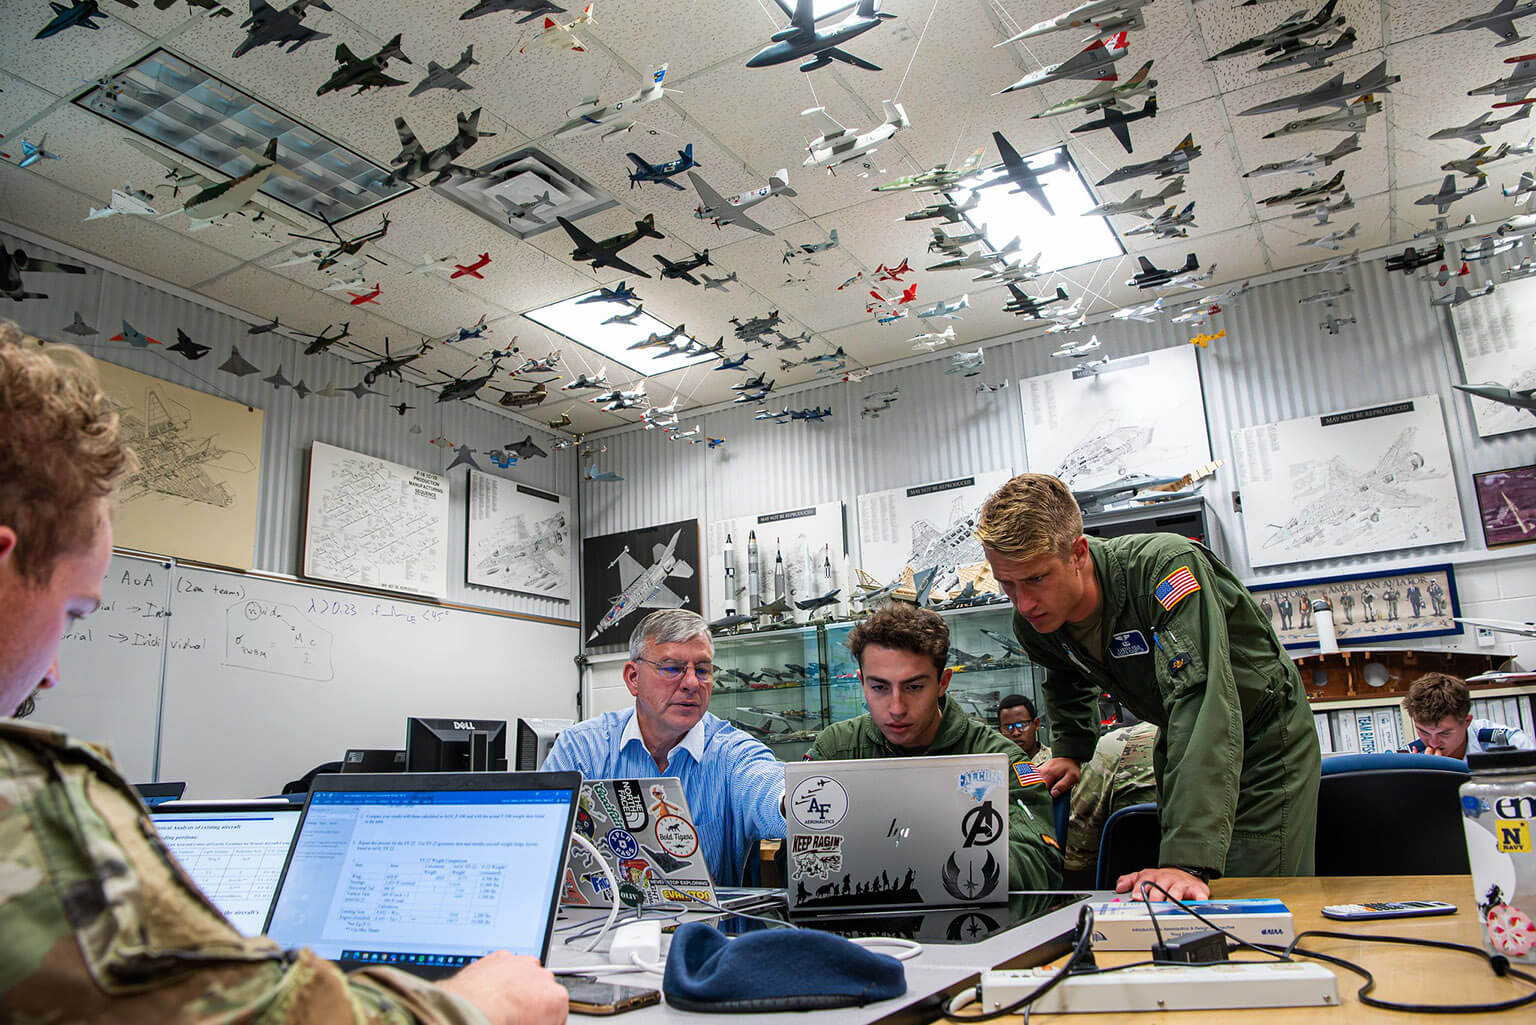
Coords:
584,323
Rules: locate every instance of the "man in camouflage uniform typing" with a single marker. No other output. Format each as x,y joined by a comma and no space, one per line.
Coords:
901,651
97,922
1162,625
1117,776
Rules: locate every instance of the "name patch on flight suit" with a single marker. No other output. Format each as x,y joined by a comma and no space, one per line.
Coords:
1124,645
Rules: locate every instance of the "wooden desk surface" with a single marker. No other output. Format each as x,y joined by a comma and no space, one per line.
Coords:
1403,974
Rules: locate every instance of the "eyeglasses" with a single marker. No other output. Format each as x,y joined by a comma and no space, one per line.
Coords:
673,672
1018,727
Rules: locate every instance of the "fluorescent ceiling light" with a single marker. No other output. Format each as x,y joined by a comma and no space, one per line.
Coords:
1066,240
583,323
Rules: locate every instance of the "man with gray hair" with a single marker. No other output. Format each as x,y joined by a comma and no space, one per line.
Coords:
733,783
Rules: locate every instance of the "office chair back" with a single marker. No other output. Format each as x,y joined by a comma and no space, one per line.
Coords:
1129,843
1391,814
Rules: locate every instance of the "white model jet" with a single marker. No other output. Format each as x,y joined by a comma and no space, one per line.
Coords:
1146,314
443,268
1104,17
984,258
1095,61
722,211
554,33
837,145
1309,164
127,200
1337,265
1136,203
1334,239
946,310
609,119
931,340
1076,350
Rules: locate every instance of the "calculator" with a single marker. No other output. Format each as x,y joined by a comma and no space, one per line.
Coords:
1388,909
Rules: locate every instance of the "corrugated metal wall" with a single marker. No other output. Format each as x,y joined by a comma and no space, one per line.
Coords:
1274,363
290,423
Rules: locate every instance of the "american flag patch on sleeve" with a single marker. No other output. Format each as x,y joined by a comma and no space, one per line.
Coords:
1176,586
1028,777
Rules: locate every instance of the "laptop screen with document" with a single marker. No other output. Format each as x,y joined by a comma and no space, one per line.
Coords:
233,850
426,872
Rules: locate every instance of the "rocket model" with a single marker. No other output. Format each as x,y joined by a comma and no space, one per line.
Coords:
754,588
730,577
780,580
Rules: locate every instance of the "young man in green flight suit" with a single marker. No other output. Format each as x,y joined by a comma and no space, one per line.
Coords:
901,651
1160,623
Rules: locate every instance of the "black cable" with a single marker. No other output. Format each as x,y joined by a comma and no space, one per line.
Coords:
1152,912
1080,949
1199,917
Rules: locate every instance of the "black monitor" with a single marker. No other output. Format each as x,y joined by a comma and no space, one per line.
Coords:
373,759
455,745
159,793
534,739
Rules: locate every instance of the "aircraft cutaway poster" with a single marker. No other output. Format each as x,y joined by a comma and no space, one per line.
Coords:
627,575
1348,483
1496,347
195,492
375,523
799,556
1140,414
925,527
519,538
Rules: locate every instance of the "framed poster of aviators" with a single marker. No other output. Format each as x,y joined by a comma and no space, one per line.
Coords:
1367,607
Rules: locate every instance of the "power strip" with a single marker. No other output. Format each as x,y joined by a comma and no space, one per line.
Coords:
1169,988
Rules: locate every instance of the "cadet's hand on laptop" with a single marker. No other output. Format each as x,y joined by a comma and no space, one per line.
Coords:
511,989
1061,775
1179,884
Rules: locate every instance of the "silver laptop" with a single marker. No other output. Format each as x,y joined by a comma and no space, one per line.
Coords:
233,850
897,832
645,832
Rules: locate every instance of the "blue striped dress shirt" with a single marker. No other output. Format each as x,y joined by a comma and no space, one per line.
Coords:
732,781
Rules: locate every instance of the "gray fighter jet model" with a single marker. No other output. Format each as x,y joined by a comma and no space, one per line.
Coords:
820,601
801,38
1170,165
79,327
1151,276
1316,56
643,587
529,9
1346,119
266,25
414,160
526,449
1169,224
1517,85
718,284
1500,21
1136,203
1334,239
1333,322
526,211
754,328
582,381
1475,130
1309,164
594,474
364,72
1017,172
439,77
606,252
620,293
1337,91
946,208
14,263
1460,295
682,270
1297,26
1300,195
626,318
1449,193
1095,61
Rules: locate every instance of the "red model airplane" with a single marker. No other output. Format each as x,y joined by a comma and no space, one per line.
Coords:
881,302
473,269
366,297
884,273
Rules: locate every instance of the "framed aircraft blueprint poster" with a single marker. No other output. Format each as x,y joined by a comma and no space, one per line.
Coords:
626,575
1494,338
374,523
808,544
519,538
1140,414
1506,504
1367,607
927,526
195,492
1348,483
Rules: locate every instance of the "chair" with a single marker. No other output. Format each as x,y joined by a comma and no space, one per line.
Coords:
1391,814
1061,814
1129,843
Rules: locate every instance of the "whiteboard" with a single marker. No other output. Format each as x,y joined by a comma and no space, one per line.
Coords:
266,679
109,667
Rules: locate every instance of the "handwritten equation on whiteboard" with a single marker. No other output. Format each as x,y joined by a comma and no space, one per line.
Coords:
276,637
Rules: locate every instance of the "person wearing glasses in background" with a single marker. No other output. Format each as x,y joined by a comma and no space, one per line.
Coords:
1018,721
733,783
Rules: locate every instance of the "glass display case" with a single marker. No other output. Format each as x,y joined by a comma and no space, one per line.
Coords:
784,685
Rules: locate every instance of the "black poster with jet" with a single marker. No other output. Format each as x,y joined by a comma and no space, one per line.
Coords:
626,575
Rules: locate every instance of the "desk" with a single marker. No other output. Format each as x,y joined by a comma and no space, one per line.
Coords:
1404,974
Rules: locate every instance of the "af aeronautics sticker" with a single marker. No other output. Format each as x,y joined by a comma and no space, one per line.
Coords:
819,802
1124,645
677,836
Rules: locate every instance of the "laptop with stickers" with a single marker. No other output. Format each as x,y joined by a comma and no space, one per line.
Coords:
897,832
647,836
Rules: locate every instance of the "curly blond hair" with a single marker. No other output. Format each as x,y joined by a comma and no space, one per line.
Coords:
1032,515
59,450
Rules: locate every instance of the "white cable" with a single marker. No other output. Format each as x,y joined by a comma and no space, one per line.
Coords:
613,888
964,998
908,948
655,967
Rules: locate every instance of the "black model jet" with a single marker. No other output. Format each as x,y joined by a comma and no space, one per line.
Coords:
1298,26
390,366
13,264
1170,165
751,383
1022,303
269,25
1018,173
683,269
322,341
187,347
606,252
1118,121
364,72
1151,276
341,247
461,388
526,449
1411,259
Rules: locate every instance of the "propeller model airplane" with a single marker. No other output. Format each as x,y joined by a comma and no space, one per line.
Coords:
661,174
591,115
606,252
722,211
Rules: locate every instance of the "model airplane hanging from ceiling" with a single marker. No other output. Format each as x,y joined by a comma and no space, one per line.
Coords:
722,211
439,77
837,145
266,25
605,253
1095,61
559,34
801,38
364,72
591,115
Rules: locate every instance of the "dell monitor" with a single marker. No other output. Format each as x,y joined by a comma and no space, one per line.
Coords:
373,759
534,739
455,745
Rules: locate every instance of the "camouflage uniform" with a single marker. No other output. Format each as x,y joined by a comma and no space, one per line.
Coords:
98,923
1040,757
1118,775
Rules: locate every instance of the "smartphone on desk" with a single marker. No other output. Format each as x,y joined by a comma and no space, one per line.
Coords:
588,996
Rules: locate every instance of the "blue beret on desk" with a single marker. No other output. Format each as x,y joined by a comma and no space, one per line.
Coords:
775,970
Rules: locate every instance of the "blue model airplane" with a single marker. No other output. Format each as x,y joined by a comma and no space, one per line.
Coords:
662,174
734,364
620,293
78,16
31,154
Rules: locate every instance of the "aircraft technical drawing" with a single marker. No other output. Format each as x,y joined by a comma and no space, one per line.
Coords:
1118,121
1474,131
820,47
1136,203
946,310
722,211
591,115
936,179
836,145
1105,95
1296,27
364,72
266,25
555,33
1169,224
606,252
661,174
518,550
173,463
1500,20
1151,276
15,263
1309,164
1170,165
1022,304
1349,119
413,161
529,9
1017,172
1449,193
1095,61
1337,91
439,77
